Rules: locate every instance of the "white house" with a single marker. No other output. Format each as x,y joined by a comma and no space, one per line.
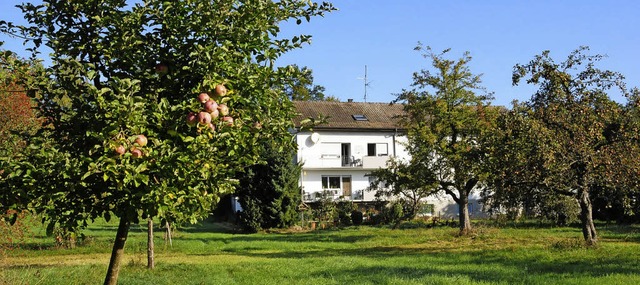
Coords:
356,138
338,155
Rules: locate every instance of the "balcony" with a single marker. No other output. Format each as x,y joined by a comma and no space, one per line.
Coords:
333,194
327,161
374,161
364,161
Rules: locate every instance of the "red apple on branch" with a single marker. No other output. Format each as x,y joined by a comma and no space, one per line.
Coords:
211,106
228,120
204,118
136,153
162,68
120,150
203,97
221,90
224,110
141,140
192,119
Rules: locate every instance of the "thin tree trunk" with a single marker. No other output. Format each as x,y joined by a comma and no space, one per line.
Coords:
588,228
118,252
168,233
151,264
463,212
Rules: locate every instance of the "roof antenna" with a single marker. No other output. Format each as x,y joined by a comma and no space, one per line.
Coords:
366,83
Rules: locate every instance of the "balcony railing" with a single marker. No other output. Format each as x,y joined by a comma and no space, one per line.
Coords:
365,161
374,161
334,194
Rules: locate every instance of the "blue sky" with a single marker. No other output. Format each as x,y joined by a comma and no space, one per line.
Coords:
498,34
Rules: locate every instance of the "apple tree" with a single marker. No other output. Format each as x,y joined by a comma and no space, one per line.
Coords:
447,111
576,134
518,146
139,137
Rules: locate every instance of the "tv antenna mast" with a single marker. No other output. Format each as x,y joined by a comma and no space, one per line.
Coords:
366,83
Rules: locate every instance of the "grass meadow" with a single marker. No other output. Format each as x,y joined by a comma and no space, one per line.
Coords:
211,254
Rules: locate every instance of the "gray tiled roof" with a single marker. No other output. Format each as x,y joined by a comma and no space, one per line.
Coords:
340,114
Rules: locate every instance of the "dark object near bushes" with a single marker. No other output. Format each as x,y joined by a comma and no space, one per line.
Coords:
356,217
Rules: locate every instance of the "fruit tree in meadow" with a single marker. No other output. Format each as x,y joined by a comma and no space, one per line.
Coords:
164,100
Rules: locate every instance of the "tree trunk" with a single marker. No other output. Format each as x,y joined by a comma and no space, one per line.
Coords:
151,264
167,234
118,252
588,228
463,213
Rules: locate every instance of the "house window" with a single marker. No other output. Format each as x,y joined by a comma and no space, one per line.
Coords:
382,149
371,149
359,117
330,150
337,185
377,149
346,154
330,182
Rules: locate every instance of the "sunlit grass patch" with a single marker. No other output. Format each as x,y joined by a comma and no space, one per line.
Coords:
212,254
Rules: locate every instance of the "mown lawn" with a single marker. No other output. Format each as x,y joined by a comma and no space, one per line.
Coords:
206,254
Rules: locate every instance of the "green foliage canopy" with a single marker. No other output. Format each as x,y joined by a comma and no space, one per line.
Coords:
447,111
136,69
300,86
569,138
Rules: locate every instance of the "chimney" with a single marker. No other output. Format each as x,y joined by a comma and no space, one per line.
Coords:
350,100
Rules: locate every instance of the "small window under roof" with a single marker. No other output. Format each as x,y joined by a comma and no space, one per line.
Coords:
359,117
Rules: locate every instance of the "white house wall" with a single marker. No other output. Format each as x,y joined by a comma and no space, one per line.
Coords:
311,153
321,155
445,207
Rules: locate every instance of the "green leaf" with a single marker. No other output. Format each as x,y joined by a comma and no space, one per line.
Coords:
141,168
87,174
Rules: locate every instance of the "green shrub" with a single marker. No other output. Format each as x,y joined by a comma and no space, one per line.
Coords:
326,210
269,192
344,209
561,211
394,213
250,218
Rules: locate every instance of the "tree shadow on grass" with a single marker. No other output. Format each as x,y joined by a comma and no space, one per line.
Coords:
252,242
484,266
508,266
207,227
625,233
